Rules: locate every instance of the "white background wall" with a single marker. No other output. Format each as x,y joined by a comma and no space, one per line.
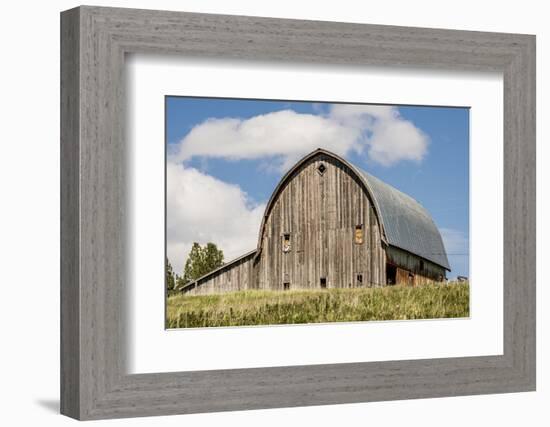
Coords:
29,213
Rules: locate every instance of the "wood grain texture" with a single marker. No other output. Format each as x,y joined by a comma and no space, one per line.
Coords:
309,234
423,271
70,220
320,212
94,269
236,275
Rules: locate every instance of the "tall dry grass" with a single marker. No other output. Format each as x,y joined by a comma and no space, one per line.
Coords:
318,306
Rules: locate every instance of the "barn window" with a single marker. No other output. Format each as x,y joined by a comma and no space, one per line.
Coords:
286,286
321,169
391,274
359,280
359,234
323,282
286,242
421,265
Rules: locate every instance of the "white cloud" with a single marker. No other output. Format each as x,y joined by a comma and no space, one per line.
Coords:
354,112
395,140
388,137
286,136
201,208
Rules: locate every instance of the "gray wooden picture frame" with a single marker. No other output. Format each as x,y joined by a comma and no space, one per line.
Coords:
94,41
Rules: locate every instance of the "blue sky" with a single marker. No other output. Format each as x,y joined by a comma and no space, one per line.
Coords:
236,151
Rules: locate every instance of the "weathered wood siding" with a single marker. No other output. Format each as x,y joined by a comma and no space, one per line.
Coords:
309,239
235,276
320,211
423,271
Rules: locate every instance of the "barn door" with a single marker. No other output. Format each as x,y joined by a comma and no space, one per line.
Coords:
391,274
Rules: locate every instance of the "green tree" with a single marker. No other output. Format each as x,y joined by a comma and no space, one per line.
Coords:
212,257
201,260
179,282
170,277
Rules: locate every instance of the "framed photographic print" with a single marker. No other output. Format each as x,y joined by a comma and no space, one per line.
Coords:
341,244
323,212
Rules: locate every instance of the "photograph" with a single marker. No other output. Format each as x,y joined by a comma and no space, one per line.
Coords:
296,212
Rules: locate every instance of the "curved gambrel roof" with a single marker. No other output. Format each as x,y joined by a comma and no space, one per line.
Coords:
407,224
404,222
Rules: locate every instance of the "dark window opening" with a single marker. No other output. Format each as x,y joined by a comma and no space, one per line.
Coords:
391,274
286,242
286,286
359,280
321,169
323,282
359,234
421,265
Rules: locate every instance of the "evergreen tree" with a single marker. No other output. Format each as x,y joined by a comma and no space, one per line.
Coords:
170,279
201,260
212,257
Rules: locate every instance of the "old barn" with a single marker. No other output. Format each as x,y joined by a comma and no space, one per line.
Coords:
329,224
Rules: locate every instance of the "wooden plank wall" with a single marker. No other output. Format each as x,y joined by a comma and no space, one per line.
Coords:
236,276
408,263
321,211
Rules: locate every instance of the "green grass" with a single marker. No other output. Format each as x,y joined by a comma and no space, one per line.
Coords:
318,306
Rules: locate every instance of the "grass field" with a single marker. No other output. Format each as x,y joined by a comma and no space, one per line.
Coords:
318,306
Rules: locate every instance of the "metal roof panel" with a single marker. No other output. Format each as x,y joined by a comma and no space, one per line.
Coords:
407,224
